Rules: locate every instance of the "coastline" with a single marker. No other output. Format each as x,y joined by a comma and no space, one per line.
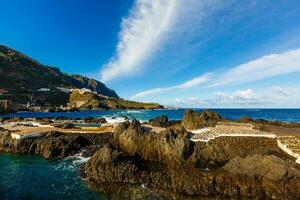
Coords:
165,167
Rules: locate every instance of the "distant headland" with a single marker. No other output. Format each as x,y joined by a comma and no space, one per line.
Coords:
26,84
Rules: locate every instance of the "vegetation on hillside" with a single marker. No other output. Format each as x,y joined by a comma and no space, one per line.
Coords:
21,74
93,101
23,77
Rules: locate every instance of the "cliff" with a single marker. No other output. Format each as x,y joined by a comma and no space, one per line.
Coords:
89,100
20,73
22,77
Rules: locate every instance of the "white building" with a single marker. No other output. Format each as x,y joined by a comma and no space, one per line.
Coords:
44,90
83,90
66,90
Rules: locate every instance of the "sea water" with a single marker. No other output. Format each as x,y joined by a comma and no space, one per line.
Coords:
288,115
33,177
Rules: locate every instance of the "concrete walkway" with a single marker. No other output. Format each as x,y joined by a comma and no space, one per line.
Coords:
289,144
207,134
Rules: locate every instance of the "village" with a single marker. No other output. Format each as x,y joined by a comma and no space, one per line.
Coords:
7,105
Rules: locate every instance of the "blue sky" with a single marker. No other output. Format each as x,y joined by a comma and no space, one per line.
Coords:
186,53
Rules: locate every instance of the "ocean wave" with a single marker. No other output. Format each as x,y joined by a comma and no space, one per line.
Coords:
72,163
78,158
143,120
115,120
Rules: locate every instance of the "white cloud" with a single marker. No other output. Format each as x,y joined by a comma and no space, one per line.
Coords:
141,33
186,85
240,97
283,96
269,97
244,94
194,82
190,103
157,26
279,91
261,68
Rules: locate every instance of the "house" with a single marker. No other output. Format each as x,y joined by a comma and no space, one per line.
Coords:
66,90
44,90
3,91
83,90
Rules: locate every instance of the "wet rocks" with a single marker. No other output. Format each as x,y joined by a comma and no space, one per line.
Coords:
94,120
223,149
170,146
170,165
116,173
60,146
53,145
162,121
277,178
270,167
196,120
68,126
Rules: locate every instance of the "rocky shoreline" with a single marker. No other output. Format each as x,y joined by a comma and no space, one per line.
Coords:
158,160
176,168
54,145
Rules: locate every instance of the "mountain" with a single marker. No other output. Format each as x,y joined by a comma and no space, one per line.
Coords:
20,73
22,77
89,100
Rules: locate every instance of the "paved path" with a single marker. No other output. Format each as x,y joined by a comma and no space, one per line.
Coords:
22,130
207,134
289,144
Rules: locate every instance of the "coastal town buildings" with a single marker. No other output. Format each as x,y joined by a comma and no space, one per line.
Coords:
44,90
63,89
83,90
3,91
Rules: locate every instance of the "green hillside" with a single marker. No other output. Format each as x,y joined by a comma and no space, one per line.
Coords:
23,77
20,74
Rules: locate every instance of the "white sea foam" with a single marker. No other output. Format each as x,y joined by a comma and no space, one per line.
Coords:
143,120
114,120
72,163
78,158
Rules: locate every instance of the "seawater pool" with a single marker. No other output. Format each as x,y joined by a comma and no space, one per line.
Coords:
33,177
289,115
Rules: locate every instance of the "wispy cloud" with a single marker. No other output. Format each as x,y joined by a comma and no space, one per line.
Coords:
247,94
261,68
268,97
188,84
258,69
240,97
141,33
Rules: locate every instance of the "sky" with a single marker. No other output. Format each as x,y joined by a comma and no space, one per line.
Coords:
183,53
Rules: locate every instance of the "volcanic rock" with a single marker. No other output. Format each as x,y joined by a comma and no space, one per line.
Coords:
171,165
52,145
161,121
196,120
170,145
270,167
